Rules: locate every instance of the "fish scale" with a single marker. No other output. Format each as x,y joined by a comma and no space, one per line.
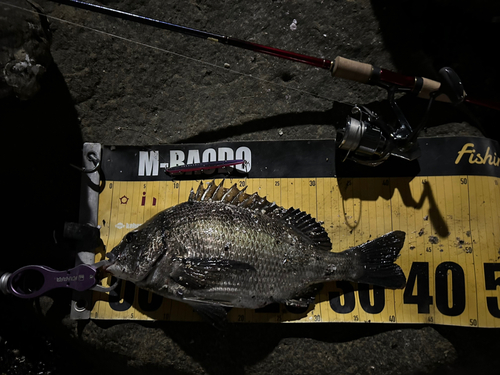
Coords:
224,247
248,247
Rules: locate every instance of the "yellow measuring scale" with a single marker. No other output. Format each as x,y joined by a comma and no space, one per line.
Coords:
447,202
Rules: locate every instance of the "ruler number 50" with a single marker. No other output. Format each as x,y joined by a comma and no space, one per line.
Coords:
490,283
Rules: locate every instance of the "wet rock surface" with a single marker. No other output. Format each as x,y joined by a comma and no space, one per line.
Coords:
128,84
24,52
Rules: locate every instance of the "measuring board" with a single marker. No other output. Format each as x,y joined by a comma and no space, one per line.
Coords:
447,202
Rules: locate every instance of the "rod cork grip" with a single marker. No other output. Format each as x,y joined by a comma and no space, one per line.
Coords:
428,86
352,70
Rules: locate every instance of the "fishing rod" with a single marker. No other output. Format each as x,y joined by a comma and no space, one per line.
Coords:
366,137
340,67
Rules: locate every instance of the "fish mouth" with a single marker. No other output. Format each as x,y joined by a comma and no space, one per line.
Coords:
103,265
108,263
113,267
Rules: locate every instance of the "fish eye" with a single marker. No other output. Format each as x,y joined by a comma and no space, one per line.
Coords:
129,237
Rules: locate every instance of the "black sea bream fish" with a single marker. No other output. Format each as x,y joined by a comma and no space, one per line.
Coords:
225,248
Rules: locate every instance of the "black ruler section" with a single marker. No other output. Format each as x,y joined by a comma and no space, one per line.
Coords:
266,159
446,156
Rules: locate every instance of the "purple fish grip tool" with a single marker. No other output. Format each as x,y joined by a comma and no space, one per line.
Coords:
33,281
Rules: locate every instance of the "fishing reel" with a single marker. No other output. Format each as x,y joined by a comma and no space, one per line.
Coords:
369,140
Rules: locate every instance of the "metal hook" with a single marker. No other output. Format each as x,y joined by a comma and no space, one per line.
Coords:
91,156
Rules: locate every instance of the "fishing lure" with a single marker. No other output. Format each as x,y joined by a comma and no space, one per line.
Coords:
195,167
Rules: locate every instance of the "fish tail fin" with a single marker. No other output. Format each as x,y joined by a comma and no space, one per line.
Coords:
377,261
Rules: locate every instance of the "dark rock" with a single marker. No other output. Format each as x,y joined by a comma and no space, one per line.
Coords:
194,348
24,51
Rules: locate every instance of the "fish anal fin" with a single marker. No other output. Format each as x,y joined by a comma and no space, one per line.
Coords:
213,314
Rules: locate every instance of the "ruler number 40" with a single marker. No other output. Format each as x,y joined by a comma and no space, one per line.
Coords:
417,289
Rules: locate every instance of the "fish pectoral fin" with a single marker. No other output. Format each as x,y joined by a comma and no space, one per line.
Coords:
297,303
200,273
213,314
305,297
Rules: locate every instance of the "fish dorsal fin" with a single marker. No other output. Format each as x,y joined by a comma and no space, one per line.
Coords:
305,225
